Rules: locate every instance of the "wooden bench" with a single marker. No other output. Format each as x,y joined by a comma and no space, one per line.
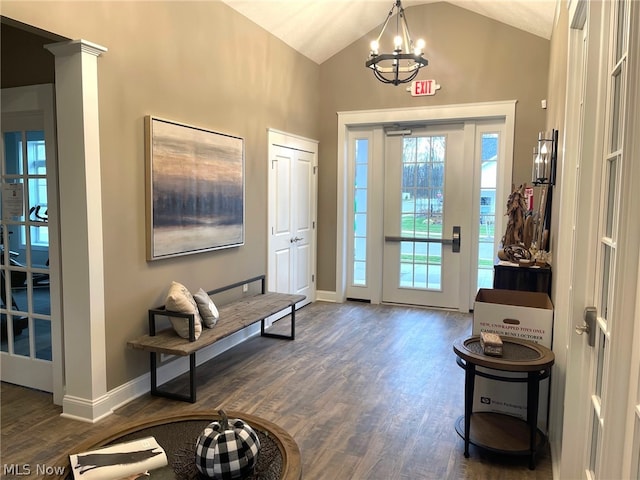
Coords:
234,316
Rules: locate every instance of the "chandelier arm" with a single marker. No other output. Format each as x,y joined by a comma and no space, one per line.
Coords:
406,33
406,37
386,22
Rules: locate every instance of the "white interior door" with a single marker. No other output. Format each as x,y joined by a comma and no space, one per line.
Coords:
427,212
603,418
292,221
29,307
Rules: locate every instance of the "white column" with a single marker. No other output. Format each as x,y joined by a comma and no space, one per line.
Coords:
83,310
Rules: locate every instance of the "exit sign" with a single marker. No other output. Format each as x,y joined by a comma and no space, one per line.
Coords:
420,88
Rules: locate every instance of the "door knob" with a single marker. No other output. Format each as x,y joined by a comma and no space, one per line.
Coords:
580,329
589,326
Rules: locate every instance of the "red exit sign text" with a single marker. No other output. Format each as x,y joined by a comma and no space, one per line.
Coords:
420,88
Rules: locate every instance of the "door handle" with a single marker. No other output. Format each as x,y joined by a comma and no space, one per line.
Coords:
454,241
295,240
589,326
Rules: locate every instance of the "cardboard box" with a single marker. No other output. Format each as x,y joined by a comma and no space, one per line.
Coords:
519,314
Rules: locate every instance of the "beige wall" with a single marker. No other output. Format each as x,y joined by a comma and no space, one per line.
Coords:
473,58
556,119
203,64
557,103
194,62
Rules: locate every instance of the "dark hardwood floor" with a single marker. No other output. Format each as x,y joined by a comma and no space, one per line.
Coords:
367,392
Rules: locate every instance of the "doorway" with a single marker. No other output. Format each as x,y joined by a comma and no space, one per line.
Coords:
603,359
424,209
29,308
292,215
396,218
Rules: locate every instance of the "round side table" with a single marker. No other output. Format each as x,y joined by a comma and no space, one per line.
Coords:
176,431
499,432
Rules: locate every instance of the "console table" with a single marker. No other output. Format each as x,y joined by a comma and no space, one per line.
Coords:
499,432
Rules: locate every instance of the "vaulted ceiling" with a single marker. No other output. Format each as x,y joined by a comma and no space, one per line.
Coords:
320,28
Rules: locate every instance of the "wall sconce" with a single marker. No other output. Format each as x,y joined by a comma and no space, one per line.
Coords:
545,156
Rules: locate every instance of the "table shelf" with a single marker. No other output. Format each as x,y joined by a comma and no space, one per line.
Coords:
499,433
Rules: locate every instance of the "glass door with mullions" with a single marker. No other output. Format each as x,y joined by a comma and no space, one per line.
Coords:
424,211
25,303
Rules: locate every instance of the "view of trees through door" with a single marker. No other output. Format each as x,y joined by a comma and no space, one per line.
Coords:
425,200
400,184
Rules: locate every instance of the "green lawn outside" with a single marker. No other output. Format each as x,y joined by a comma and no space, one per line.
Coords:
419,227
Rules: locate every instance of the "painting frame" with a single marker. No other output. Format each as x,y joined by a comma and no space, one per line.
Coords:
195,189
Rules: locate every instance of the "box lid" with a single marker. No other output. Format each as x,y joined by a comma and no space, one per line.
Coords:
516,298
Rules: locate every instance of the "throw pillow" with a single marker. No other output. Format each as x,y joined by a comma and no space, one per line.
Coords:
179,299
206,307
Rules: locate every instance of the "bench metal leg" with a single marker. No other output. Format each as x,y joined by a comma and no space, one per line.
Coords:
174,396
279,335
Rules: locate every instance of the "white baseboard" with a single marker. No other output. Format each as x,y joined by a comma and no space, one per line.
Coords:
326,296
84,410
80,409
169,368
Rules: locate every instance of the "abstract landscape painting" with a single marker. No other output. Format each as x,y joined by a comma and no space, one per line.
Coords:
195,189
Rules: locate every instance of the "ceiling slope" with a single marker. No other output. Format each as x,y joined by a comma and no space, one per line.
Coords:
321,28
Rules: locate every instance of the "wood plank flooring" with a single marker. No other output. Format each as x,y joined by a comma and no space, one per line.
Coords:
367,392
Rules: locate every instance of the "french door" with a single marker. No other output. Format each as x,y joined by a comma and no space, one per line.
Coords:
426,211
603,365
29,307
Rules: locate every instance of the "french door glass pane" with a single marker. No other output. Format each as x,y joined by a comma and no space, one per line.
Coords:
488,181
615,110
13,153
36,153
602,348
621,38
595,434
612,164
26,302
636,460
606,270
21,341
421,211
42,336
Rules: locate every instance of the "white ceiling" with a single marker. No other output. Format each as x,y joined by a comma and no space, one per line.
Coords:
321,28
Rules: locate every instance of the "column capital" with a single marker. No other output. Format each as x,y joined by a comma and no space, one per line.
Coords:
62,49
